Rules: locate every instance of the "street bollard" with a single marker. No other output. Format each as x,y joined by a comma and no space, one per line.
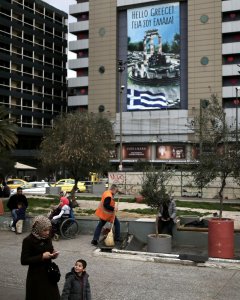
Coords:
1,207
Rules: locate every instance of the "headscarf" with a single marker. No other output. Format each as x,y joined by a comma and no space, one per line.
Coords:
64,201
39,224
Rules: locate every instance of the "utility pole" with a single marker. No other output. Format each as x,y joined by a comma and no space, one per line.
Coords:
237,88
121,68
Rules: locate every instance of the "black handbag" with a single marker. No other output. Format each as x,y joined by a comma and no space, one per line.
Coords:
53,271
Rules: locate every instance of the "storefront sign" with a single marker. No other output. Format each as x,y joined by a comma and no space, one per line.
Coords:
170,152
136,152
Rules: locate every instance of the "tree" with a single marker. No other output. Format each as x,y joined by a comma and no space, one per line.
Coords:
8,140
175,47
78,142
154,189
8,137
6,163
219,155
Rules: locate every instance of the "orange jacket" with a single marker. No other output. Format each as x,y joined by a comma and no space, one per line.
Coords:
102,212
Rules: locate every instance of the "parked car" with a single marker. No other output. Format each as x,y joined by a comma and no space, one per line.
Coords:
34,188
67,185
15,183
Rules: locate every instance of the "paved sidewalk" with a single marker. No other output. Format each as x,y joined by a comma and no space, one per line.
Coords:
120,278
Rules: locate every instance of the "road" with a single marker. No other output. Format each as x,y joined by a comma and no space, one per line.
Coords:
120,279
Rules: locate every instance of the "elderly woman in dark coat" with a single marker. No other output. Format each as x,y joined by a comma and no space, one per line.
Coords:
37,252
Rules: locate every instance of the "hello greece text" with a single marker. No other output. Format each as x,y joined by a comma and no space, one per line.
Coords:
164,16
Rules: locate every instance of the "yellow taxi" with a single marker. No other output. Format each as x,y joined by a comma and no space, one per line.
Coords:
67,185
15,183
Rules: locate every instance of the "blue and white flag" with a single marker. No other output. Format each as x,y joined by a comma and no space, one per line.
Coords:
143,100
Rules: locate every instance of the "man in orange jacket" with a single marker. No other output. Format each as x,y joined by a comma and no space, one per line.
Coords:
106,212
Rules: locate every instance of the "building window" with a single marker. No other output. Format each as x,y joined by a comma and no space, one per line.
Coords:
83,17
82,72
82,35
231,16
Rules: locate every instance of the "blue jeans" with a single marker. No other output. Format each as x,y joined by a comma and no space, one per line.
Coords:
100,225
14,214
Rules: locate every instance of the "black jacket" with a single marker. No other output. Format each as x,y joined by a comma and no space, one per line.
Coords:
15,199
75,287
38,285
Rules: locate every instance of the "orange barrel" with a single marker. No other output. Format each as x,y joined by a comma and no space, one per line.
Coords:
221,238
1,207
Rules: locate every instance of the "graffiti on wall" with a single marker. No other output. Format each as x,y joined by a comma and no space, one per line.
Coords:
130,183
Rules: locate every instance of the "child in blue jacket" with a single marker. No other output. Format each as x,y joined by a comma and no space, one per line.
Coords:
20,215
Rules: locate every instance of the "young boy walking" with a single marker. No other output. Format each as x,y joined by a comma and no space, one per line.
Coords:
76,286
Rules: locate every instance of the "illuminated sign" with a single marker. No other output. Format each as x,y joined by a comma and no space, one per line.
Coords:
153,57
170,152
136,152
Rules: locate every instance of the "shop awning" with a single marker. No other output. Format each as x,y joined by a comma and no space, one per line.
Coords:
20,166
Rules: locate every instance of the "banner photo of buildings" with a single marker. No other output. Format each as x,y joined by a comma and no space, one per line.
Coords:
153,57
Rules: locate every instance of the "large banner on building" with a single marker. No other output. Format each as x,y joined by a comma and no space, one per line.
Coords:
153,57
170,152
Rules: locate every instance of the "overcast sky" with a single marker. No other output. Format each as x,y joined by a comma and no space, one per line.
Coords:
64,6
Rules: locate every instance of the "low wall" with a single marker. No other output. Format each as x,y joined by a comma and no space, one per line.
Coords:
139,228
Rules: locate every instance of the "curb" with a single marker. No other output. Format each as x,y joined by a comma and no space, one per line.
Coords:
232,264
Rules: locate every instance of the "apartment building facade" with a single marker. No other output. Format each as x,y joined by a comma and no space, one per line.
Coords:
33,75
148,64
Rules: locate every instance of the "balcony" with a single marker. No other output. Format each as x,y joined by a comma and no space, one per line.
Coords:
78,100
230,48
230,26
74,64
75,9
78,26
230,70
229,92
78,45
78,81
230,5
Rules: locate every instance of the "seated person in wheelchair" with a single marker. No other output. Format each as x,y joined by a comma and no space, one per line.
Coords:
64,213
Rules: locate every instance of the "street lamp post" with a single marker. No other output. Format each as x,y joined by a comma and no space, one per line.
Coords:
237,88
121,68
120,114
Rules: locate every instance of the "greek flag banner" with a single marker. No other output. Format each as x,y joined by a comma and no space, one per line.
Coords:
143,100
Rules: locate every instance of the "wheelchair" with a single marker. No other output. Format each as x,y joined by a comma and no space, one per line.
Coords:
67,228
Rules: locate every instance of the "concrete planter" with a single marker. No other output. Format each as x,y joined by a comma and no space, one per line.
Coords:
160,244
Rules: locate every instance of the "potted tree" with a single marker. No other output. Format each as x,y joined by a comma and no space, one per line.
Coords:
155,194
218,160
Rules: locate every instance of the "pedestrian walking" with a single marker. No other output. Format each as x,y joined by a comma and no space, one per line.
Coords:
106,212
37,253
76,286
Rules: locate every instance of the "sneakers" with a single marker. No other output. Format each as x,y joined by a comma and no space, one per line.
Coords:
13,229
94,242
